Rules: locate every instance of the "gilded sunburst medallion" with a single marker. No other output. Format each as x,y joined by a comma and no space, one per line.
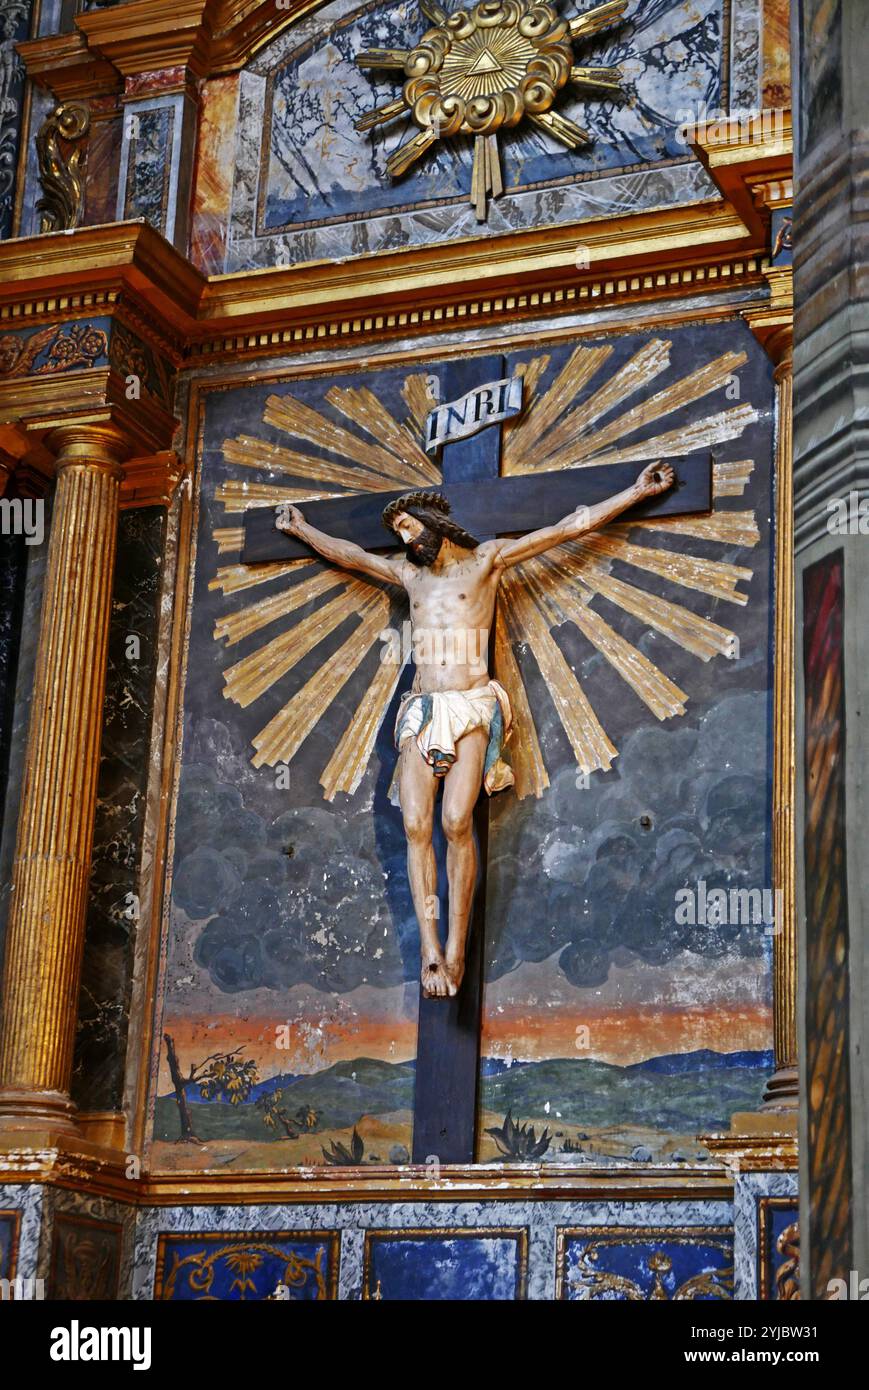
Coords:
479,71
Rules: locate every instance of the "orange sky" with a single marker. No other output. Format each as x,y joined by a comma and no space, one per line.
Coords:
622,1035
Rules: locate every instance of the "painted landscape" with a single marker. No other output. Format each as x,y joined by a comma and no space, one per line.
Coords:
359,1112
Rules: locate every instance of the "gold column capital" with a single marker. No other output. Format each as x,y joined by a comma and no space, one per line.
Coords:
102,446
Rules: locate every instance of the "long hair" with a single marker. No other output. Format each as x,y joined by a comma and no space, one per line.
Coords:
433,511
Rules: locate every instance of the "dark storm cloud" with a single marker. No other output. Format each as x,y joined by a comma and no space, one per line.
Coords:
298,898
595,872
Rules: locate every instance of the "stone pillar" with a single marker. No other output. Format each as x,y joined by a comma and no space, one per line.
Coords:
56,817
831,541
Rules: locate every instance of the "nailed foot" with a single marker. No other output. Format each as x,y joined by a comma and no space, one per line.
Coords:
436,980
455,967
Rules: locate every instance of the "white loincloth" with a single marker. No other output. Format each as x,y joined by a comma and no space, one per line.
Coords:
438,719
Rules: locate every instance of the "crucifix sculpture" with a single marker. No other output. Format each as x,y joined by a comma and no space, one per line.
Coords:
349,531
452,725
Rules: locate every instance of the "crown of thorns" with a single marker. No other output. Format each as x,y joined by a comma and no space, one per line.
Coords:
415,501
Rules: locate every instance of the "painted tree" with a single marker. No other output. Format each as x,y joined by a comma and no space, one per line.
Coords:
221,1076
276,1115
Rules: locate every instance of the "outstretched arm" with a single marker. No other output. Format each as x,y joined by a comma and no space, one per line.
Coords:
344,553
653,479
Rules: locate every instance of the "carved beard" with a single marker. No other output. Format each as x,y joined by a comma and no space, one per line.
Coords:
424,549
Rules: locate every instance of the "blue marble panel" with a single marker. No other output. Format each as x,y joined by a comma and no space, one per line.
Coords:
317,167
10,1224
148,169
14,26
645,1265
451,1265
116,881
247,1266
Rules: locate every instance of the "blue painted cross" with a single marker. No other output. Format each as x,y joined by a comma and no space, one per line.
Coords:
487,505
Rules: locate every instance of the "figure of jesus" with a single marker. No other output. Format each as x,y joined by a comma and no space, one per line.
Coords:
453,723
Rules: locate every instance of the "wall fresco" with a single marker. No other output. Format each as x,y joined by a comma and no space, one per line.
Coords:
288,1026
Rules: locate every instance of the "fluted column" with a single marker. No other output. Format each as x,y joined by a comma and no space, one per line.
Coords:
56,818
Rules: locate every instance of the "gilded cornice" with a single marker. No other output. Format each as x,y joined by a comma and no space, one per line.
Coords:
740,155
64,65
73,1164
209,37
127,273
148,35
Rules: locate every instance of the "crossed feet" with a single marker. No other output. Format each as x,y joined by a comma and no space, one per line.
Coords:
441,975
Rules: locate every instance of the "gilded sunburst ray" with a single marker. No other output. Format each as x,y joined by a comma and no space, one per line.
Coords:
355,445
487,69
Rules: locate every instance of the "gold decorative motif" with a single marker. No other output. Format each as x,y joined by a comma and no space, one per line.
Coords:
559,427
60,174
590,1282
483,70
18,353
76,345
787,1275
778,1278
244,1260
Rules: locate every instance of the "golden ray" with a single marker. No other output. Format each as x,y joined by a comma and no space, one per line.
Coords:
687,439
531,372
561,128
282,737
381,114
233,579
251,677
346,767
729,528
228,538
525,622
605,79
573,441
362,407
244,621
240,496
584,25
300,420
688,389
518,451
698,635
712,577
730,477
563,604
383,58
407,154
525,755
297,465
647,363
419,399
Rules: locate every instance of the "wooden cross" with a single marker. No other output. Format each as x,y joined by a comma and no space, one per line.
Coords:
487,505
